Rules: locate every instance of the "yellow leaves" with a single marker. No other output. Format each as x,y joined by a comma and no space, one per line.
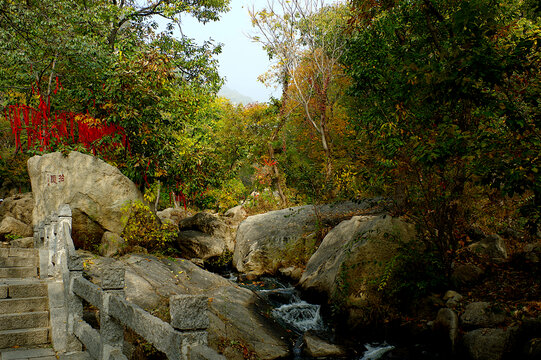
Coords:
108,105
89,120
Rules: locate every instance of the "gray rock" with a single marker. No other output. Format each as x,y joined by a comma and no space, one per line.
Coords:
447,323
211,225
317,347
12,226
351,257
532,253
27,242
465,274
18,206
480,315
202,352
195,244
235,215
171,215
111,243
95,191
150,282
491,246
194,305
452,298
263,239
488,344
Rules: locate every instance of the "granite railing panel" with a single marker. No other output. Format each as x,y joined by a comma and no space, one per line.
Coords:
189,314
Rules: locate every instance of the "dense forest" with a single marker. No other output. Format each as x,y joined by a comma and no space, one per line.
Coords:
433,104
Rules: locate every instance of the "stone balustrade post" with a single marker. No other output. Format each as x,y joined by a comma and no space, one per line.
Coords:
189,316
111,330
37,239
74,304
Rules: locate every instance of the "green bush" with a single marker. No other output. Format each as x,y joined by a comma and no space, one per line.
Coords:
143,228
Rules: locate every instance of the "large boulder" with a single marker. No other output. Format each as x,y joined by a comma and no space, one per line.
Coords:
269,242
111,244
95,191
205,235
14,227
488,343
317,347
19,207
234,314
446,326
195,244
352,259
481,315
171,215
491,247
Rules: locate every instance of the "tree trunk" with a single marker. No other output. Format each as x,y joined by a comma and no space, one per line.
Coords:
327,150
275,171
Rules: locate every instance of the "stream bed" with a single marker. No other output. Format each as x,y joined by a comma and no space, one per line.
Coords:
301,318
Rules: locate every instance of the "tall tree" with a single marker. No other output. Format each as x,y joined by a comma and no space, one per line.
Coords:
114,66
297,32
443,96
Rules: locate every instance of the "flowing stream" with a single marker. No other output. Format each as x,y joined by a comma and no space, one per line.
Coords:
299,316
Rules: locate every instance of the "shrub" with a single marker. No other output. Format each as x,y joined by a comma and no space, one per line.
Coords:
143,228
230,195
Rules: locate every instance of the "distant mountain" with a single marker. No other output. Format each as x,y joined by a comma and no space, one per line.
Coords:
234,96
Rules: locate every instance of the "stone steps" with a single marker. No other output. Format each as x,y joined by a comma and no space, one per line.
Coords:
10,306
17,261
24,302
24,337
18,272
18,252
36,319
22,288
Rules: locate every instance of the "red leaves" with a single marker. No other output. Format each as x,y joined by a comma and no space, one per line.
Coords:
41,128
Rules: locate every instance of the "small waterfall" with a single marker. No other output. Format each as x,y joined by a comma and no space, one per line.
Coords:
291,311
300,315
374,352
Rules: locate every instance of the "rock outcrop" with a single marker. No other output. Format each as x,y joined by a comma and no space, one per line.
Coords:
488,343
95,191
206,235
481,315
316,347
16,215
171,215
12,226
492,247
19,207
264,239
234,318
352,257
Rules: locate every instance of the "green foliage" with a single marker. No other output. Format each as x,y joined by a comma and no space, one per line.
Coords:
412,274
262,201
443,97
298,252
106,59
230,195
219,263
143,228
10,237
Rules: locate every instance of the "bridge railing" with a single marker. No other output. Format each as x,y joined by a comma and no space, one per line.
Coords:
185,334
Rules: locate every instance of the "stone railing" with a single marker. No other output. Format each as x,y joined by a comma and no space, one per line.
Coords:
185,337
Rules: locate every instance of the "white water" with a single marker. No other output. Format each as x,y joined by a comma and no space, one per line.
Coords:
375,352
300,315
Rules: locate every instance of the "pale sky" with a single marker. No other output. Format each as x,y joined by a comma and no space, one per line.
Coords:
241,60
